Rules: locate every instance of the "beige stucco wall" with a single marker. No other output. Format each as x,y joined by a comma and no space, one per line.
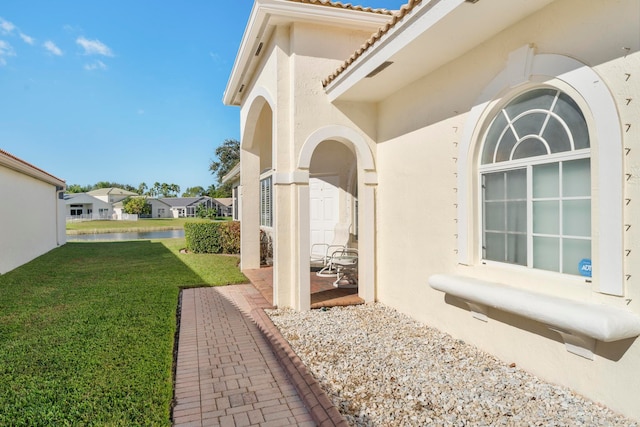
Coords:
288,85
420,128
32,225
414,137
318,53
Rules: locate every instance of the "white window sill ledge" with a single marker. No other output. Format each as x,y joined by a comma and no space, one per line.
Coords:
579,323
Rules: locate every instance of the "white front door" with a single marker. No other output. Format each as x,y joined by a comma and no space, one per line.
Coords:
323,196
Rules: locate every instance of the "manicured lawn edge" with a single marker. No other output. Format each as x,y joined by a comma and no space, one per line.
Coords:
88,331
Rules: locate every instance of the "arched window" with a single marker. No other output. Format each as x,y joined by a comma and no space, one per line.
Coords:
535,171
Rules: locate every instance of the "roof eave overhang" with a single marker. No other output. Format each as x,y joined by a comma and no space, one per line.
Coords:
232,175
267,14
435,33
9,161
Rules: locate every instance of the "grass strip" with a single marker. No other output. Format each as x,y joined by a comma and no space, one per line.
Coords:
87,331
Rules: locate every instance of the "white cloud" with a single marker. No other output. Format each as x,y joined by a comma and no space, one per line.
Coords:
27,39
52,48
5,50
6,27
94,47
96,65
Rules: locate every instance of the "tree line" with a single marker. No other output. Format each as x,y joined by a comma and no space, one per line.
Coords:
157,190
228,156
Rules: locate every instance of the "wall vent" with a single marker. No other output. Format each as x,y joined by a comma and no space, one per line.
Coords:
379,68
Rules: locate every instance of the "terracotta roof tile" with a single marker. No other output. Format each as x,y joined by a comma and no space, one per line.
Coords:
397,17
345,6
11,156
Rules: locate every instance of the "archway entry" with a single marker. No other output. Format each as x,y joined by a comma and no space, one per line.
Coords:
333,219
339,195
256,188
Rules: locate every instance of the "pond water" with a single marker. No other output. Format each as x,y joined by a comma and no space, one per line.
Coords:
141,235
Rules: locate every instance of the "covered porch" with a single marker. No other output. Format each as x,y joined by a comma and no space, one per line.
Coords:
323,293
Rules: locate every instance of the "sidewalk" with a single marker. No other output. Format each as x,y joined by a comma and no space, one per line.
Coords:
235,369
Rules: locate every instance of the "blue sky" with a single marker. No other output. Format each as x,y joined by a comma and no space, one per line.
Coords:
126,91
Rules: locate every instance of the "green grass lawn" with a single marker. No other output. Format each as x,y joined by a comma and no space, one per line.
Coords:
106,226
87,331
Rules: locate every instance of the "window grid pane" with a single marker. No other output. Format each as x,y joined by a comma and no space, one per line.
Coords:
544,208
561,225
505,217
573,251
538,122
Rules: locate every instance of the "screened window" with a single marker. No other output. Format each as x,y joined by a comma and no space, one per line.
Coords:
235,203
266,202
536,184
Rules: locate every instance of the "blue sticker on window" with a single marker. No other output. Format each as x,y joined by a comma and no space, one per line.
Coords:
584,267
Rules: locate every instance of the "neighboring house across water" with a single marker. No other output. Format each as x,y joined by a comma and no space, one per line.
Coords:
97,204
187,206
233,177
94,206
159,209
111,194
31,213
83,206
507,128
223,206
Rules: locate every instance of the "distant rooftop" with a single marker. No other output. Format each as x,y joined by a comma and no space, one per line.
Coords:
114,191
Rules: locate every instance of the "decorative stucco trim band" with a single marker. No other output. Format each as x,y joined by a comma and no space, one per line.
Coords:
579,323
302,177
289,178
343,134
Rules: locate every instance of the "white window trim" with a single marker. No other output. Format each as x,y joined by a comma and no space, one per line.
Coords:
524,67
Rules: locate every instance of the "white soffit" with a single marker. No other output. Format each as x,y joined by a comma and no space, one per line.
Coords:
267,14
433,34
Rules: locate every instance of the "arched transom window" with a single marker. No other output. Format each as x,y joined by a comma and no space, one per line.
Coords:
536,184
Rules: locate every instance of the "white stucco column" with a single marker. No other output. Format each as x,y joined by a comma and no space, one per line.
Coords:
366,238
282,259
291,250
250,211
303,302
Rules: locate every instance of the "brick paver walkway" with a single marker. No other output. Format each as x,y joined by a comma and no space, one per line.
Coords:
227,373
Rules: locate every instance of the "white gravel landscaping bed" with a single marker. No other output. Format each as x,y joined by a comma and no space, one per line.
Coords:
382,368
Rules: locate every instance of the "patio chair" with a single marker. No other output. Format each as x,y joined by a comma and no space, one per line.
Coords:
321,252
345,262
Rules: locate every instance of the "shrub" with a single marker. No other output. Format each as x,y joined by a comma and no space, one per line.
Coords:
230,237
213,237
266,248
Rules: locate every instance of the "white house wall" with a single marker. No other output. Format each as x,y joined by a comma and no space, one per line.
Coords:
33,220
420,130
159,209
90,202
